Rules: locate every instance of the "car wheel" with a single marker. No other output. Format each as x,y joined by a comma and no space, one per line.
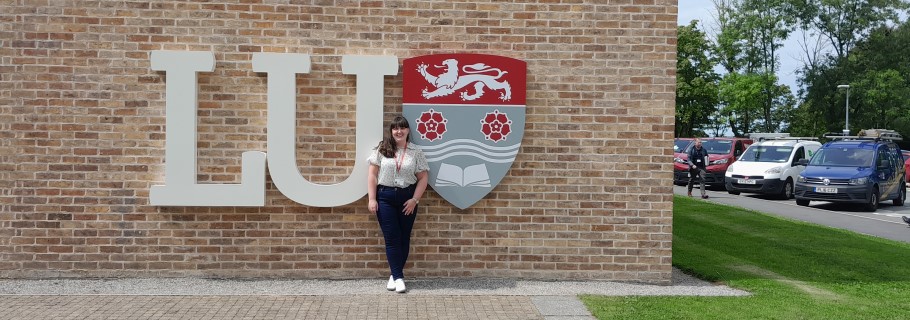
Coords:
873,200
899,201
802,202
787,193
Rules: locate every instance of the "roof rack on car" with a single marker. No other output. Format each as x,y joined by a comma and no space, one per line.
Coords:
871,134
759,136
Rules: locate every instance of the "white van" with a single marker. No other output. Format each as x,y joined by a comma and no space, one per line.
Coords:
770,166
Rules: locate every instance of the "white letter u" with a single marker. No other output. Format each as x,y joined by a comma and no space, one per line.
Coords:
282,115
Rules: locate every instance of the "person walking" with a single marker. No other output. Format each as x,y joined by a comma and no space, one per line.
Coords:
397,179
698,167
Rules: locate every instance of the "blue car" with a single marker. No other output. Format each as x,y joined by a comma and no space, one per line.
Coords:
864,170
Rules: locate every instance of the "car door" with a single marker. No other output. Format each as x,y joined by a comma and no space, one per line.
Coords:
885,172
897,164
902,165
737,150
794,168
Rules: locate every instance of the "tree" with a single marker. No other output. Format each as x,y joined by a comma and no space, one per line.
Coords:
728,39
770,23
878,72
741,96
718,124
885,95
782,115
844,22
696,81
751,33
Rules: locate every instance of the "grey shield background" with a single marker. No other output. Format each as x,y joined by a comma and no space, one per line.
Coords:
464,122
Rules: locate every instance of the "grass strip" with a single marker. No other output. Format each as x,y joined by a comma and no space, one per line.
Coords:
795,270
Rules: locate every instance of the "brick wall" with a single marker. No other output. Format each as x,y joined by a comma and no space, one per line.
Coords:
82,127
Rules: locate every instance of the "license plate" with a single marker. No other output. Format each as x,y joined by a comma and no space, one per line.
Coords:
745,181
826,190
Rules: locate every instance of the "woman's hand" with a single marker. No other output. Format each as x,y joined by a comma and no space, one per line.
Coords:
409,206
373,206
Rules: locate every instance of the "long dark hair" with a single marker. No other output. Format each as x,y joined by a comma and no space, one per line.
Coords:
387,145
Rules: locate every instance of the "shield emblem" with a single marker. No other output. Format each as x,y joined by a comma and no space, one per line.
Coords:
467,114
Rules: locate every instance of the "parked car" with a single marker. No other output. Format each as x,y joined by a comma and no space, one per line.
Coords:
770,167
722,152
906,166
681,146
864,170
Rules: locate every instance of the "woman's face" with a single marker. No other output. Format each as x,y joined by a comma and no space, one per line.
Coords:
400,134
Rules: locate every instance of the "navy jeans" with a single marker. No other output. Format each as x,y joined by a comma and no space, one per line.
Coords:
396,227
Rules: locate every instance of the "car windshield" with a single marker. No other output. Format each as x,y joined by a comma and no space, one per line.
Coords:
843,157
679,145
766,154
717,146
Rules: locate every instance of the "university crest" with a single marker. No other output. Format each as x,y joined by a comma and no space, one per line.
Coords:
467,114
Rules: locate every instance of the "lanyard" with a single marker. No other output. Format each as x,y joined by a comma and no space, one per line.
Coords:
399,162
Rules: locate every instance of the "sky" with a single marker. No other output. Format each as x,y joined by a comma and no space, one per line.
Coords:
788,57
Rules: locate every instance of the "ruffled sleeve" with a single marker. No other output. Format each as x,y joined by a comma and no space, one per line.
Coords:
422,164
374,157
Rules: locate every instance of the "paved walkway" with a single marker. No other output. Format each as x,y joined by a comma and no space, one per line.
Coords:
192,298
268,307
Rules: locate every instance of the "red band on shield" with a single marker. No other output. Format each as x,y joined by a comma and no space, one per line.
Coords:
465,79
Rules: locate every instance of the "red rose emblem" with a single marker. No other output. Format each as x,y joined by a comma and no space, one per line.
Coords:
496,126
431,125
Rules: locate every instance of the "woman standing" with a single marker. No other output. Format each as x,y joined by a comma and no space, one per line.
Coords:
397,179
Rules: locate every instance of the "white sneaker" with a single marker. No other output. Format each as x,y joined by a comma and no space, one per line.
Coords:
391,285
399,286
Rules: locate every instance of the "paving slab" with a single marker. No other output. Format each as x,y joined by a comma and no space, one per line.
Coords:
561,308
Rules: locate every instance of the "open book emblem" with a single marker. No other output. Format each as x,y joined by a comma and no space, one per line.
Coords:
473,176
467,114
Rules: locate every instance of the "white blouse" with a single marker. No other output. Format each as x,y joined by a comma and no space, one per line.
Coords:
414,162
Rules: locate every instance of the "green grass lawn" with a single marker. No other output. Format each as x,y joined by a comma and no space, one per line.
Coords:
794,270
